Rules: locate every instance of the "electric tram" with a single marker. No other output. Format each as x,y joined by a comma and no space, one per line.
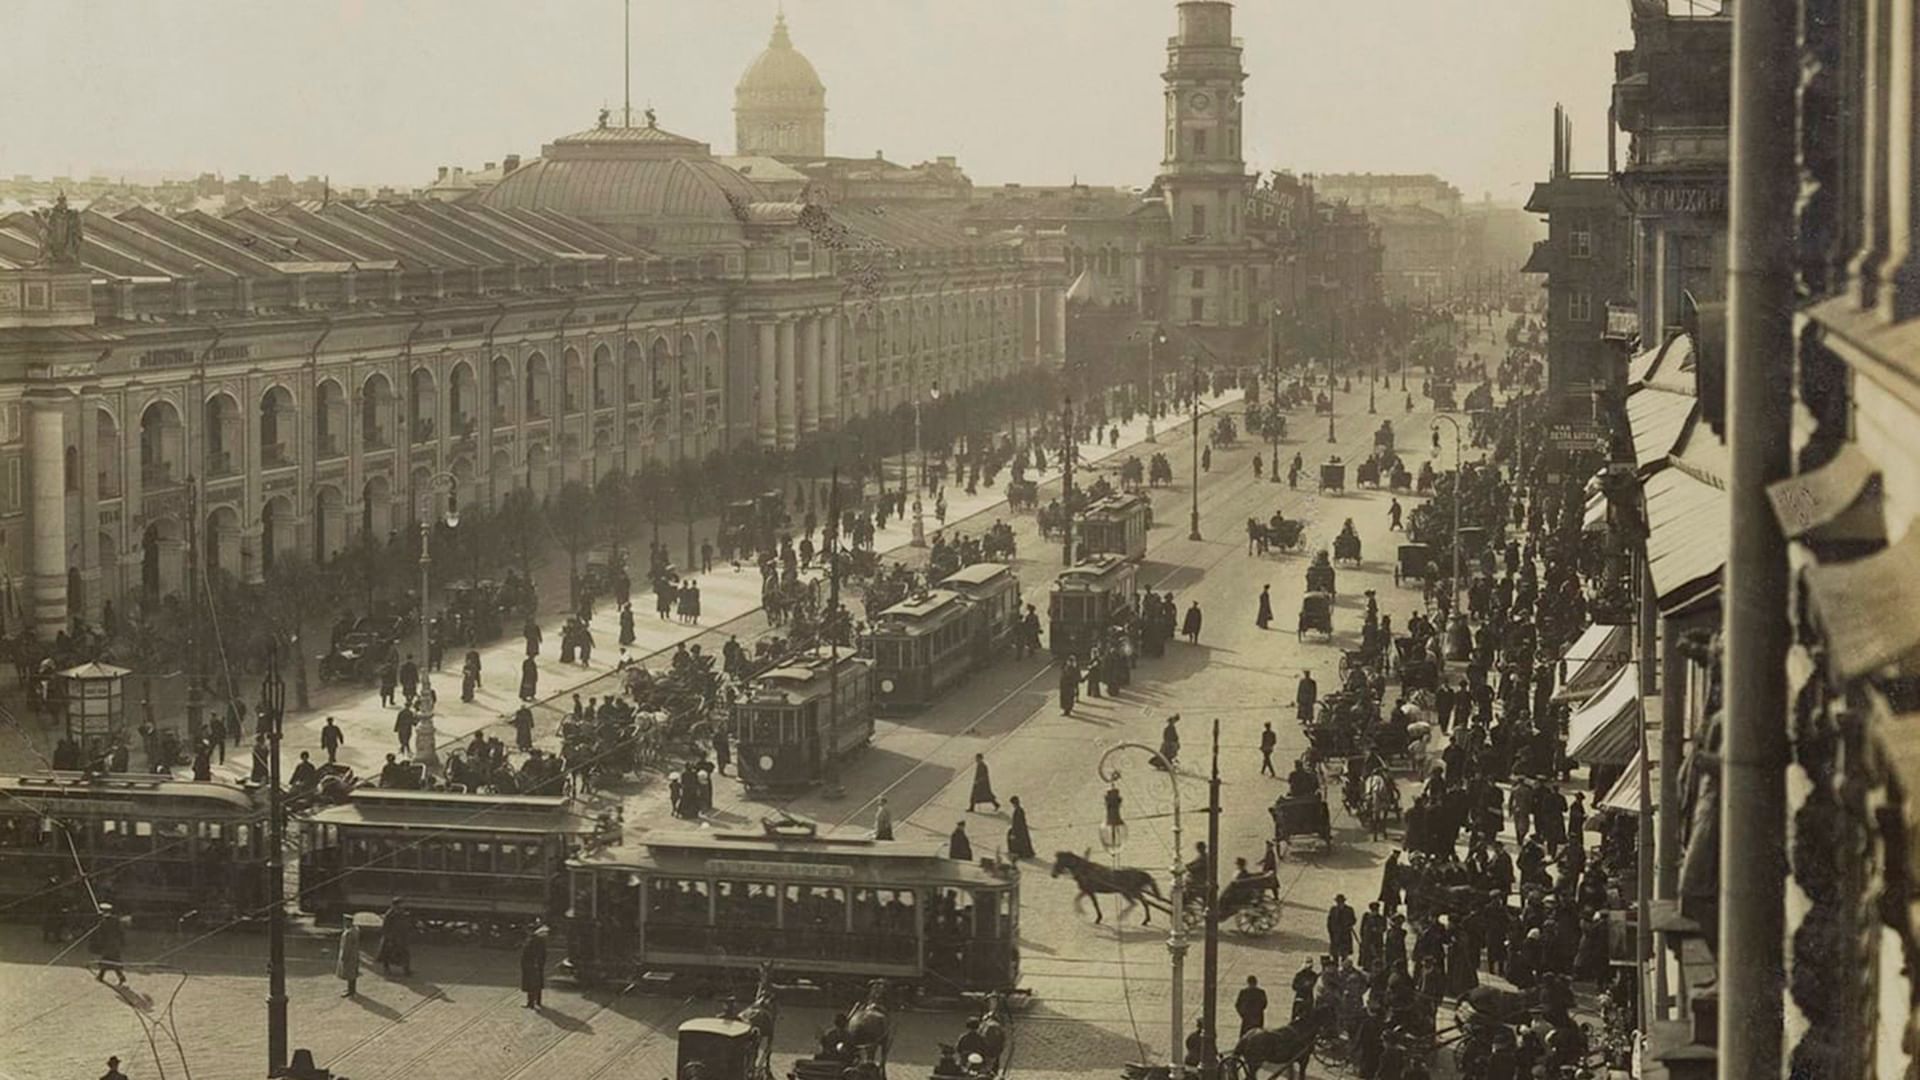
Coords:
487,860
149,844
993,589
801,716
1117,525
921,646
830,911
1087,598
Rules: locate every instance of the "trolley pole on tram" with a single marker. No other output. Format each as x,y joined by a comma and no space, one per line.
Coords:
1176,903
1066,482
1193,521
273,708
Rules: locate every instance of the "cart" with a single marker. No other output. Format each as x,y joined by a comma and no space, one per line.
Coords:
1415,563
1023,495
716,1049
1383,438
1302,817
1316,613
1333,475
1320,575
1346,549
1251,904
1367,474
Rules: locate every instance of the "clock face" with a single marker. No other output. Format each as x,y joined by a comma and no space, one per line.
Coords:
1201,101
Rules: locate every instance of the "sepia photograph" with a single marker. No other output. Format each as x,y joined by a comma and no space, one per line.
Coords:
755,540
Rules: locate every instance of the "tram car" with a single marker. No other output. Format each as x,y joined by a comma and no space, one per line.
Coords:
800,716
1086,599
921,646
831,911
1117,525
457,859
994,589
151,845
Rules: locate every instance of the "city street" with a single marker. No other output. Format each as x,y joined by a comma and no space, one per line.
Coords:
1099,992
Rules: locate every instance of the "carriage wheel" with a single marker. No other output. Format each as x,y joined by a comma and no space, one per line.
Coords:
1260,918
1330,1050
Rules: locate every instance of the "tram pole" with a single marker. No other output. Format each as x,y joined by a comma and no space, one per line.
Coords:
830,769
1210,945
273,707
1193,521
1176,904
1066,482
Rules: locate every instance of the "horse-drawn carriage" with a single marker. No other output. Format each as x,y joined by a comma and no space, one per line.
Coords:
1367,473
1023,495
1333,475
1225,433
1159,471
1320,574
1443,399
1249,904
1278,533
1346,546
1383,437
1418,669
1415,562
1399,480
1305,816
1316,613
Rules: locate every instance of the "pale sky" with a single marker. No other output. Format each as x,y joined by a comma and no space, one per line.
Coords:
1037,91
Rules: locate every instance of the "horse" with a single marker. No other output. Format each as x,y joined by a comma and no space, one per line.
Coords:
760,1015
1382,801
870,1030
1131,884
995,1026
1289,1047
1491,1005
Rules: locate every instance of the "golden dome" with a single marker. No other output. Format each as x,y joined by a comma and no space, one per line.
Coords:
780,72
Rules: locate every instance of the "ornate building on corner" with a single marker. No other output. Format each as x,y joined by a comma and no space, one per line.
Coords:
780,104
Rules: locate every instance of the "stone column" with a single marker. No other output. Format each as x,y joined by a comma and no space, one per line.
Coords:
766,423
46,461
1059,342
809,375
830,370
783,383
91,557
1035,334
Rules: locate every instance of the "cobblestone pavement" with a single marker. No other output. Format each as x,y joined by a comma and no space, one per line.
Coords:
1100,993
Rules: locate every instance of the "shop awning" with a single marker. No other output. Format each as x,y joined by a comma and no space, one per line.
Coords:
1866,609
1657,417
1624,795
1596,517
1606,729
1687,536
1641,364
1591,660
1838,500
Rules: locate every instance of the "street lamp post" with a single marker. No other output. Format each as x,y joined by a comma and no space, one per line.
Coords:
920,452
1193,522
273,707
440,483
1459,477
1154,337
1373,382
1176,898
1330,389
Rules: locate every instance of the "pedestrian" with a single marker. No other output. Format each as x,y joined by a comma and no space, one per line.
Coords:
1373,936
1306,694
1577,820
1069,685
1520,809
1019,838
706,556
1197,1043
396,939
1394,946
882,821
522,724
1265,617
1170,742
722,751
1393,516
959,848
627,635
1191,625
113,1070
529,679
1268,740
346,960
533,966
262,767
219,739
531,631
1303,982
470,675
202,762
1340,923
403,722
1251,1004
410,678
982,786
109,943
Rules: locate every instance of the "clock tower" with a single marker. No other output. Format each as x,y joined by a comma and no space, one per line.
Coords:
1202,175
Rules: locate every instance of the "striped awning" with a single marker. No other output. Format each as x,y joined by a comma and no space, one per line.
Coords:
1865,608
1624,795
1591,660
1606,729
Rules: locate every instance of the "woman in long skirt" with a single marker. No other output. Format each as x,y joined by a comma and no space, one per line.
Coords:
529,679
1019,838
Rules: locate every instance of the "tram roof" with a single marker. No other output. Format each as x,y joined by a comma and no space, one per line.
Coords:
801,669
860,860
1119,503
442,810
980,573
1092,571
76,785
923,606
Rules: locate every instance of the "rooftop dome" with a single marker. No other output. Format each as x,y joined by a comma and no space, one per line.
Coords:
780,70
645,183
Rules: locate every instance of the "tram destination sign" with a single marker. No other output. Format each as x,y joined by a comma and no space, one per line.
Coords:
78,806
771,869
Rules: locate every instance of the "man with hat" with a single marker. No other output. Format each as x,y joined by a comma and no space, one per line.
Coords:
533,966
113,1070
109,944
1340,924
1303,981
396,939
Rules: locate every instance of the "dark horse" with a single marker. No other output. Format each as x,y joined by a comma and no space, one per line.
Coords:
1290,1047
870,1031
1490,1005
761,1015
1132,885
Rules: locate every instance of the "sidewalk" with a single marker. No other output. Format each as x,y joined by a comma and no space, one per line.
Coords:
726,594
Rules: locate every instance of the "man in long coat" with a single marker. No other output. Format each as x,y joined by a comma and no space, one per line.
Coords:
1069,684
346,963
396,939
959,848
982,786
533,967
1019,837
1264,618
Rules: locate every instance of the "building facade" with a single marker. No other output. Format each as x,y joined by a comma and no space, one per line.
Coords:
1584,259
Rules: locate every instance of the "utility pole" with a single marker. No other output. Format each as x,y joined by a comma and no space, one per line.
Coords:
1066,482
273,708
830,541
1193,525
1210,946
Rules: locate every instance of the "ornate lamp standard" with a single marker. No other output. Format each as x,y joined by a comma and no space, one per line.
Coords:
440,483
1193,522
920,452
273,708
1113,835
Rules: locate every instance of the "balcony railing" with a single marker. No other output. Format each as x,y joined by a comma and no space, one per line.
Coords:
219,463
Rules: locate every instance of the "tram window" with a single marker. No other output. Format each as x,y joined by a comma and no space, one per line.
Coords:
789,728
406,853
482,857
508,861
816,907
454,855
951,914
745,903
529,861
677,901
243,836
432,856
883,911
